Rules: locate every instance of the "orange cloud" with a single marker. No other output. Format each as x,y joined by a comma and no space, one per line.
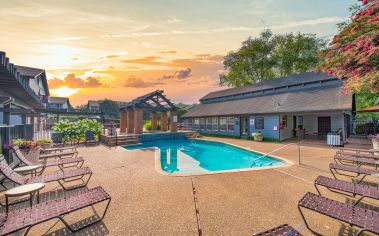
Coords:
140,83
150,60
72,81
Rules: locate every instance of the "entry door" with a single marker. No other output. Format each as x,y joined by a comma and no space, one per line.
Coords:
244,125
324,125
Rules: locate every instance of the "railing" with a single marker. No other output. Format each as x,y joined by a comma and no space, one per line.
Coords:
278,149
11,132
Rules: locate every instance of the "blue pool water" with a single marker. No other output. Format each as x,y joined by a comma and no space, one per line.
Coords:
184,156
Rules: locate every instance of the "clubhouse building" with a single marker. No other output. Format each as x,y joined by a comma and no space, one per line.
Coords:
306,104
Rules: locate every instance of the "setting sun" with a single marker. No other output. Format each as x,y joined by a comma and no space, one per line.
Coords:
63,91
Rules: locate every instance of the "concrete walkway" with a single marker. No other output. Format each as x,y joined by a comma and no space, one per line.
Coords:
145,202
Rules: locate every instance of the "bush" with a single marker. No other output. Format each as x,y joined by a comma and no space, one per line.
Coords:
77,130
44,140
147,125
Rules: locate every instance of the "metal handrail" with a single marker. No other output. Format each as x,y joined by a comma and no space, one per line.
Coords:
298,148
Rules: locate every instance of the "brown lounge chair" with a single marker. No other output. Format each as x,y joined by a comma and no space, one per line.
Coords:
356,152
60,176
346,188
359,161
54,209
335,169
284,230
365,219
64,152
61,163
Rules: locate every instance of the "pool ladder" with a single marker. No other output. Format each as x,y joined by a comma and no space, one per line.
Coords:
278,149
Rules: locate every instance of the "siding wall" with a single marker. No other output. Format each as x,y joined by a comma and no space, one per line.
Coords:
287,132
269,122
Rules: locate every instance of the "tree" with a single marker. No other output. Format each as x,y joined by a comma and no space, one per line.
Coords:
354,52
271,56
110,108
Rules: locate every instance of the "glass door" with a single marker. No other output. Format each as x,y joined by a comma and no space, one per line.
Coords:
244,125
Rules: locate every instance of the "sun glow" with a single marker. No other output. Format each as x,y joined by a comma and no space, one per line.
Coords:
63,91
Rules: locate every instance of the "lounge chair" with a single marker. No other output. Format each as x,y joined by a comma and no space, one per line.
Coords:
59,176
346,188
90,138
359,161
58,208
365,219
57,139
64,152
284,230
61,163
335,169
355,152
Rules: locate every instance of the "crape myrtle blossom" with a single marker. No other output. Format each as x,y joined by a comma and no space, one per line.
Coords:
354,52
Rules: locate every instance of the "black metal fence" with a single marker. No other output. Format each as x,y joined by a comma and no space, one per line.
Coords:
365,126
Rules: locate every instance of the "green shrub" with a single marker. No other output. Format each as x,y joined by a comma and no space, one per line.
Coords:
147,125
44,140
76,130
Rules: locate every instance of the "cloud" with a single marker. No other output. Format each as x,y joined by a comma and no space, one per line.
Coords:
310,22
173,20
149,60
168,52
140,83
72,81
179,74
63,39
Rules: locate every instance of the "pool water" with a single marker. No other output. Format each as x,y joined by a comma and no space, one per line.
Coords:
185,156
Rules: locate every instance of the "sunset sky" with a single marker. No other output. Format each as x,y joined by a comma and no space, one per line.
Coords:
121,49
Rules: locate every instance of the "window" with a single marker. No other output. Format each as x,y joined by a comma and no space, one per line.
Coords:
284,120
196,124
214,123
222,123
202,123
189,124
230,124
209,123
259,123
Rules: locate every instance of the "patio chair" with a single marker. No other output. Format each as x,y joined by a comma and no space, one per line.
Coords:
57,139
26,218
355,152
335,169
59,176
64,152
365,219
284,230
358,161
61,163
346,188
90,138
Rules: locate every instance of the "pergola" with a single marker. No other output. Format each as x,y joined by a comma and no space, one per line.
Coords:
131,115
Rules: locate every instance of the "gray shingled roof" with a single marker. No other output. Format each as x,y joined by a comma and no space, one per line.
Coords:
320,99
29,71
93,103
296,79
58,100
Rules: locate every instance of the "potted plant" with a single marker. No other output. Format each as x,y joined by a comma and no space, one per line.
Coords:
258,136
45,143
375,141
29,148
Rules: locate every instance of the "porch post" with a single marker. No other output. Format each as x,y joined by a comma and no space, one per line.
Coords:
173,121
130,121
164,120
7,136
138,121
123,121
23,121
154,121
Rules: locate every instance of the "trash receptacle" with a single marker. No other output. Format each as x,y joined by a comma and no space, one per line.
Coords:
333,139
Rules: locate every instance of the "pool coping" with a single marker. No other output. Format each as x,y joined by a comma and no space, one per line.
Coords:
158,166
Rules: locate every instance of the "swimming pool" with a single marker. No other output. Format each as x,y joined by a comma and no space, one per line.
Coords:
185,156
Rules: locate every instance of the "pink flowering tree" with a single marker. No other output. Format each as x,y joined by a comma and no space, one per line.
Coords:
354,52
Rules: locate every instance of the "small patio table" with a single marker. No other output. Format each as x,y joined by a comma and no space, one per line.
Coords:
32,169
27,189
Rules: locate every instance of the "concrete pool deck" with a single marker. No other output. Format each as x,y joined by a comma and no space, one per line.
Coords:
145,202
